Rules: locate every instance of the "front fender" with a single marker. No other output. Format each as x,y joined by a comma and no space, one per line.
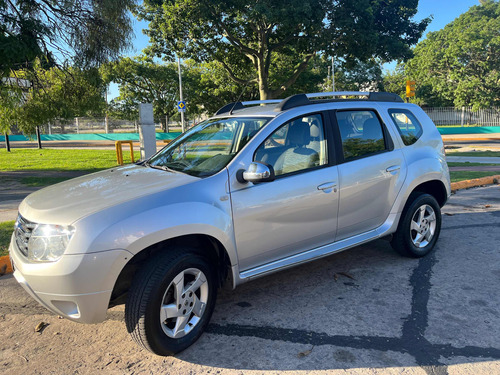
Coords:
140,231
201,207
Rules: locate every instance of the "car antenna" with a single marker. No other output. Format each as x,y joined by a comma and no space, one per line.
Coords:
238,100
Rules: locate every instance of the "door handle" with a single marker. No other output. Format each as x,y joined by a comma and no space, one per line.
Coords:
393,168
328,186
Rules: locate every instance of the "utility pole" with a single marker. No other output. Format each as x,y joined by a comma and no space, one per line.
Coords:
106,119
180,91
328,79
333,76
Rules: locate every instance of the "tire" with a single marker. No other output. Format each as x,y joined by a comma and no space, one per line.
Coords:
419,226
184,284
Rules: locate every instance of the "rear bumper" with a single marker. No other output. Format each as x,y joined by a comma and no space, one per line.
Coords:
77,287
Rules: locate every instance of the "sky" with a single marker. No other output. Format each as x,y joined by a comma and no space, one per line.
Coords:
442,11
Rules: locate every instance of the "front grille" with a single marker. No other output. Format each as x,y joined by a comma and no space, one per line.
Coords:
23,231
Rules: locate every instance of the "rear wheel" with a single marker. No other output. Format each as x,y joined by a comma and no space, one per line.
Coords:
419,226
170,302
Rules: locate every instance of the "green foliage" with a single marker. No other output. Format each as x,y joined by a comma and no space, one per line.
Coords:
141,80
88,32
207,87
395,81
475,153
460,64
469,175
6,229
59,159
359,76
10,98
59,94
270,43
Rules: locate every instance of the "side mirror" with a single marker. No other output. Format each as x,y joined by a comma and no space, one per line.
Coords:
256,172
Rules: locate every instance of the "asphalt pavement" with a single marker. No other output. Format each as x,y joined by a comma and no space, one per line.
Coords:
366,310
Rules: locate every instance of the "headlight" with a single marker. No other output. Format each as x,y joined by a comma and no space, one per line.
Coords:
48,242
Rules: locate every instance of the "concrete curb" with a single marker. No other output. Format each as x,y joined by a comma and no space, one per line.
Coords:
5,261
466,184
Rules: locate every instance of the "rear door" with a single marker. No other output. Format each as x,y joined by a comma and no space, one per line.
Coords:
371,171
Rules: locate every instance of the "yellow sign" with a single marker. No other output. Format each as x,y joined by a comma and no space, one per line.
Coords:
410,88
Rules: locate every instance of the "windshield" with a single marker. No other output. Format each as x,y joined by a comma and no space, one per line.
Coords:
208,147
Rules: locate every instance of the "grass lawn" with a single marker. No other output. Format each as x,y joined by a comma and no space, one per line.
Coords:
41,181
466,175
474,153
6,229
467,164
60,160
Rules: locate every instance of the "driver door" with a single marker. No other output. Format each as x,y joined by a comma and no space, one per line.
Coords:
298,210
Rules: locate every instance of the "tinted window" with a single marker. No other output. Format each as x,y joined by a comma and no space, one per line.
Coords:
407,124
361,133
297,145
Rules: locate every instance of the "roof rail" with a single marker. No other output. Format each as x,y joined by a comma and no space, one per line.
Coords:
269,101
304,99
338,93
229,108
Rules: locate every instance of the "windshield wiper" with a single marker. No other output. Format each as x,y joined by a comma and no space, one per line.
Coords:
161,167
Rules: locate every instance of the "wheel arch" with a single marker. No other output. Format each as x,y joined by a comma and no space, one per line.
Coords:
436,188
202,244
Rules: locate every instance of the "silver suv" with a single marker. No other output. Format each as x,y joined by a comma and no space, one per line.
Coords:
259,187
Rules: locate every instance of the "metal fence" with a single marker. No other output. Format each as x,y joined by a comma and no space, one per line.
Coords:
85,125
442,116
82,125
464,116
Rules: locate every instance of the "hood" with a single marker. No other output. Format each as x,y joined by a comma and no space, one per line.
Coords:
68,201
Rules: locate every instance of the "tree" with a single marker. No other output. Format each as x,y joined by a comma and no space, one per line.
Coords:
360,76
460,64
61,95
10,100
88,32
141,80
248,35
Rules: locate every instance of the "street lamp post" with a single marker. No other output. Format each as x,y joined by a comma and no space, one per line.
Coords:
180,91
333,76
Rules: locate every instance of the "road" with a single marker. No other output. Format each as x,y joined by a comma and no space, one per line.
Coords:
436,315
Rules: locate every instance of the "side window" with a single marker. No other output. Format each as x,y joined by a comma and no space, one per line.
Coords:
297,145
408,126
361,133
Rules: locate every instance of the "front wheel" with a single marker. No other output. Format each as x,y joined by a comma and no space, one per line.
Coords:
419,226
170,302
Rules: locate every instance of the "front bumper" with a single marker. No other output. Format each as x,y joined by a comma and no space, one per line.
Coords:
77,287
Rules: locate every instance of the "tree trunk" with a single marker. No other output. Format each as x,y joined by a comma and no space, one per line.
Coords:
38,137
7,142
163,123
263,80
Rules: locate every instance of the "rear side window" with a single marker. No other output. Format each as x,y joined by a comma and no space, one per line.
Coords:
361,133
408,126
